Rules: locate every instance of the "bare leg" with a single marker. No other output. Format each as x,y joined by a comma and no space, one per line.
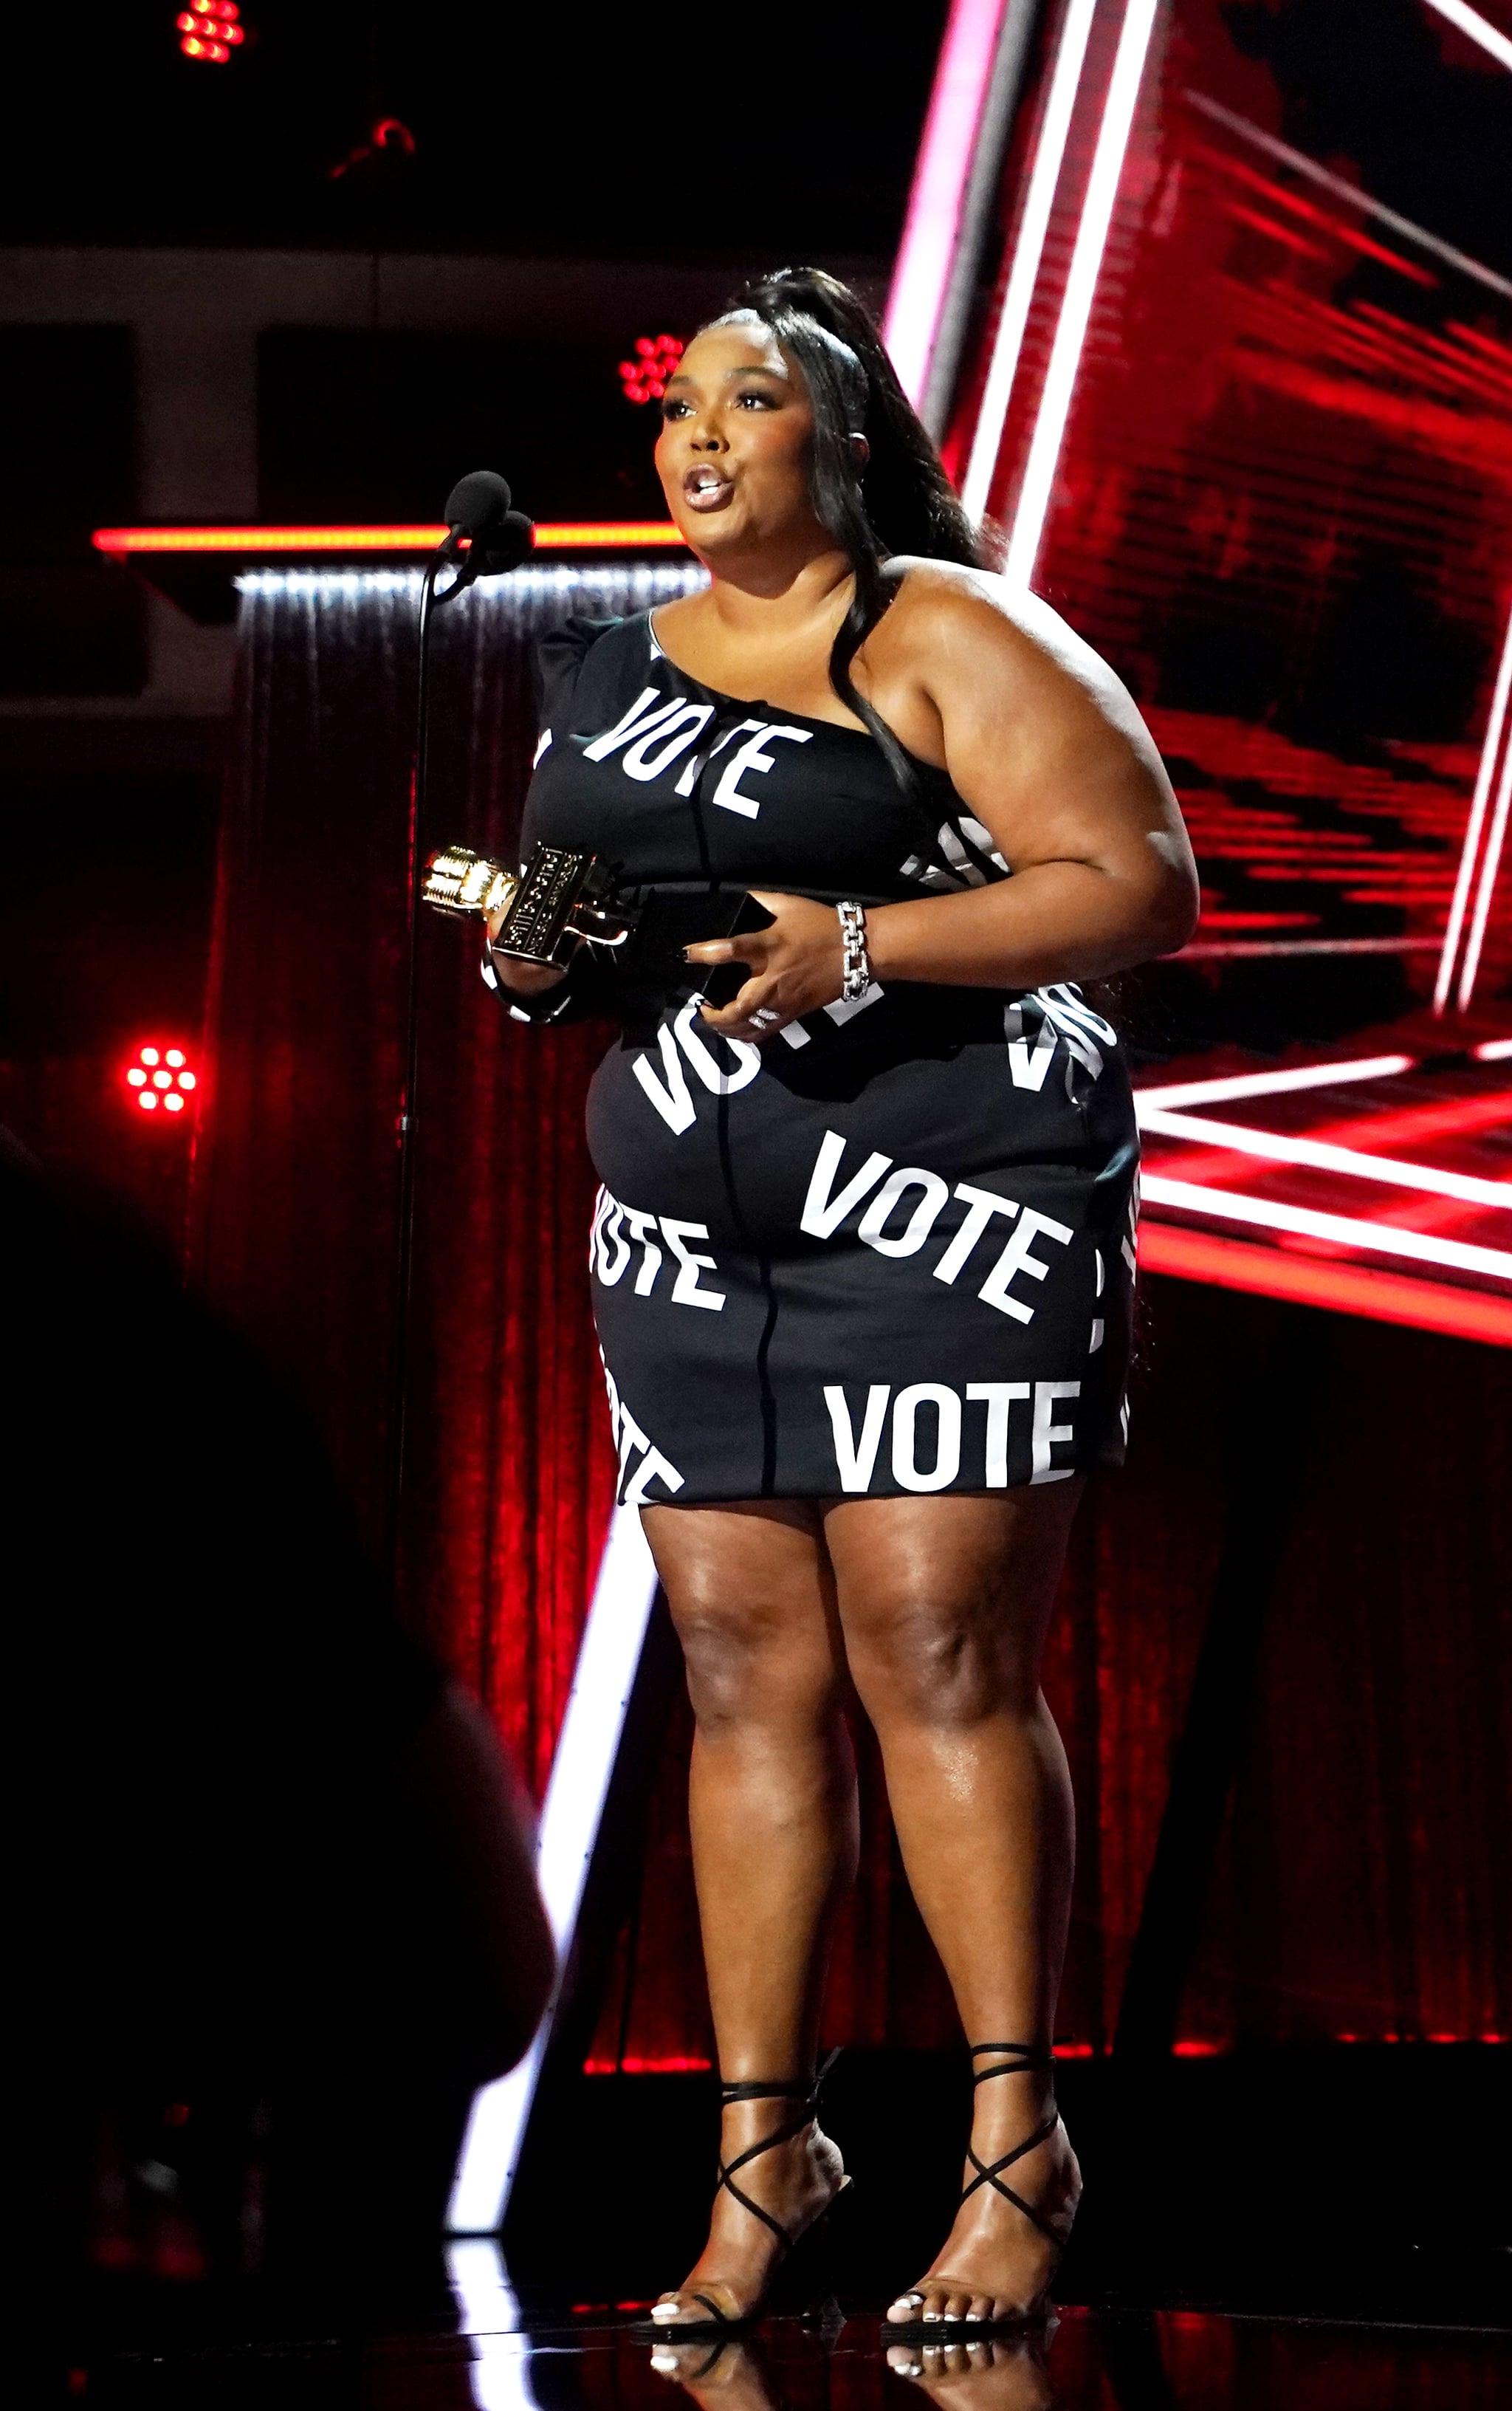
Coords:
773,1812
943,1603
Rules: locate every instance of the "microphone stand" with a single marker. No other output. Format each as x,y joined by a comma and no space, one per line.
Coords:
466,566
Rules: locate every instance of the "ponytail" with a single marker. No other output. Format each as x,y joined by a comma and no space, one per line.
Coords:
906,503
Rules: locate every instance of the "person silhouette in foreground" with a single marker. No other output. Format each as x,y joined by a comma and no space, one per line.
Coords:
267,1850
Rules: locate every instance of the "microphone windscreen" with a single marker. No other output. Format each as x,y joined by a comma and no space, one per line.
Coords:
478,501
504,546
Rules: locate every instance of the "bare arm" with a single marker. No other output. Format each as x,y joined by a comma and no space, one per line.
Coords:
1047,749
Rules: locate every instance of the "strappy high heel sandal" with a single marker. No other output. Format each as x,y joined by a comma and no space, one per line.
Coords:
1016,2059
794,2250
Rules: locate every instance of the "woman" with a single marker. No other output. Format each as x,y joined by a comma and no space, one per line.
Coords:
863,1257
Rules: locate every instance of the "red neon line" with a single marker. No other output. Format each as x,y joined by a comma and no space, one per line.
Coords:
1341,1288
551,536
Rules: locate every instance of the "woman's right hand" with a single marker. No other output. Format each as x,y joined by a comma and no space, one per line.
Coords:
526,979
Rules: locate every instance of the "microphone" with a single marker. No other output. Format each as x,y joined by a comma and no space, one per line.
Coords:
478,512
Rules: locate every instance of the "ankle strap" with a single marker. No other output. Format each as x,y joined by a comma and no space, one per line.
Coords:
797,2088
1018,2058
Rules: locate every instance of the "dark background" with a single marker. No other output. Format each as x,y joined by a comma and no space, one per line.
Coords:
605,133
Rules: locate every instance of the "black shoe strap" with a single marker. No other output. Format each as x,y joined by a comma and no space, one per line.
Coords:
1019,2059
804,2090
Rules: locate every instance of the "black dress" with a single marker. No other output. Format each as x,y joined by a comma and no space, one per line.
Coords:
893,1250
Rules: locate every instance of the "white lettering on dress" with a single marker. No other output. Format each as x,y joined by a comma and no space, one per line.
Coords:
653,1465
606,1232
685,1289
998,1398
656,751
1047,1433
1027,1071
947,1464
856,1457
907,1242
750,756
982,1204
822,1214
675,1102
718,1082
1016,1259
637,722
640,1227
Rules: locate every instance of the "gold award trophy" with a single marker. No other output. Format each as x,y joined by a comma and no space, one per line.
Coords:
551,902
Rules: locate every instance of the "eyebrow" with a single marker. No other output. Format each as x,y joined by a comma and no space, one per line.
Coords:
778,376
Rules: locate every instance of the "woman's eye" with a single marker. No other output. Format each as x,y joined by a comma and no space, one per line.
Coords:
672,409
758,399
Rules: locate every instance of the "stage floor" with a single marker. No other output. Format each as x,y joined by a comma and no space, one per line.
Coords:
1257,2235
1087,2361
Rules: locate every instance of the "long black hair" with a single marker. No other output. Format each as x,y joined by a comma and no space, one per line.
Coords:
900,502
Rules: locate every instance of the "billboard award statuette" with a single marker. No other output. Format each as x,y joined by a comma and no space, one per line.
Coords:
551,902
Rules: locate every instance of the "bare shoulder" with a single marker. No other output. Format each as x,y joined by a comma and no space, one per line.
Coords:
954,626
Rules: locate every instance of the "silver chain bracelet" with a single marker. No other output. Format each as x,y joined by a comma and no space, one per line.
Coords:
857,963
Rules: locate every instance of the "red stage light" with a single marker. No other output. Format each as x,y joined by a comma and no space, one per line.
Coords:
644,377
160,1075
210,30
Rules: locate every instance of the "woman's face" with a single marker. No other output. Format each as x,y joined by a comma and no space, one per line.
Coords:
733,454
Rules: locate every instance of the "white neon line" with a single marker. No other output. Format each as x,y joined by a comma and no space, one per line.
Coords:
1343,1229
1028,250
1468,22
1274,1084
1492,1050
1490,864
933,219
1081,289
1320,1156
1357,199
586,1750
488,2316
1470,847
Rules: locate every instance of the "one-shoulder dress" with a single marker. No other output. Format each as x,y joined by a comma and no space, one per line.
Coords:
890,1252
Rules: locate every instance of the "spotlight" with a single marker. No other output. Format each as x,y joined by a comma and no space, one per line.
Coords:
160,1075
644,377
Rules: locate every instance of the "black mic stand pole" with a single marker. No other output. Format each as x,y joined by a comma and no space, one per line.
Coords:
466,568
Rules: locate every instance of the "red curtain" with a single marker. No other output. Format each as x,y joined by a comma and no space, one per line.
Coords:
509,1473
1355,1887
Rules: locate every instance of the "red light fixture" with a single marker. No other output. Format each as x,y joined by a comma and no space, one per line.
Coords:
645,376
210,30
161,1077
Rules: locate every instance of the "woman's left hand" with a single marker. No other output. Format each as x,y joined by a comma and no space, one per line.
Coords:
795,966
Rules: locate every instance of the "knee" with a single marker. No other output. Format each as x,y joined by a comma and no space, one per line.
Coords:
921,1659
745,1661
